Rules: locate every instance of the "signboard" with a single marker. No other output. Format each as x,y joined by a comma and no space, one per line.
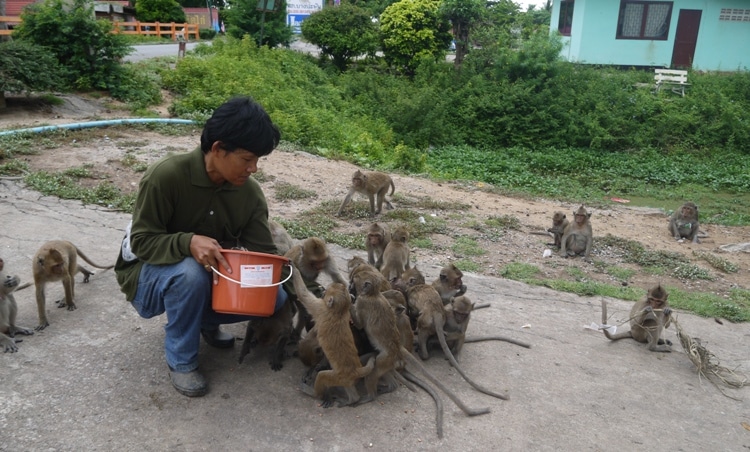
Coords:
299,10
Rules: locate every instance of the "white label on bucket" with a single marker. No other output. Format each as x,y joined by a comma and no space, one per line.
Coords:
256,275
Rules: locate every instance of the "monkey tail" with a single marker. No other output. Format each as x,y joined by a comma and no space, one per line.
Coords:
439,324
84,257
415,362
393,187
367,369
497,338
611,337
435,396
22,286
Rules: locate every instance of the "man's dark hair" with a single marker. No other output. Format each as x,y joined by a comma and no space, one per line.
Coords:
241,123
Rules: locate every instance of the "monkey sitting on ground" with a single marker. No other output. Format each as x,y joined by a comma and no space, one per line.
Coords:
370,183
270,331
58,260
311,258
8,312
331,315
577,237
648,318
449,284
396,254
559,223
684,224
377,239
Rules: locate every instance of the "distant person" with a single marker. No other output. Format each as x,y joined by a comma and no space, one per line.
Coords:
189,207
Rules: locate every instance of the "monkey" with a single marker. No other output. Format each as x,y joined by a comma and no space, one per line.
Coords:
559,223
332,316
396,254
357,265
54,261
648,318
370,183
377,239
372,312
309,351
398,302
449,283
684,223
577,237
424,301
311,258
281,238
274,330
8,312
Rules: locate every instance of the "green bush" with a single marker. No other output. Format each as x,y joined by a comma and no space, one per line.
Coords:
242,18
26,67
207,33
164,11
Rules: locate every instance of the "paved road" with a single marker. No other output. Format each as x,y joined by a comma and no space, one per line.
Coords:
146,51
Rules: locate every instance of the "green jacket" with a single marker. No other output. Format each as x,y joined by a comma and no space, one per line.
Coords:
176,200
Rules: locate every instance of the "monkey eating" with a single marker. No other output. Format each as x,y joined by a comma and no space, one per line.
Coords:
577,237
377,239
684,224
331,316
58,260
559,223
8,312
648,318
370,184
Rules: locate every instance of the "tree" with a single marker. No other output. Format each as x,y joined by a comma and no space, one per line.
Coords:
412,30
242,18
86,48
26,67
164,11
342,33
462,14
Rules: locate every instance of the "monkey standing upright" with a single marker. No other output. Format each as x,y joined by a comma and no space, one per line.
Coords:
396,254
376,240
559,223
8,312
54,261
370,184
648,318
684,223
578,235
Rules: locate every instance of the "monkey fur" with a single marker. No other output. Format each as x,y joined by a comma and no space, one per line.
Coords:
648,318
8,312
559,223
578,236
684,223
396,254
370,184
376,240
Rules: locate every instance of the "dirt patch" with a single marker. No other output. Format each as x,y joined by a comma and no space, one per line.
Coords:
106,149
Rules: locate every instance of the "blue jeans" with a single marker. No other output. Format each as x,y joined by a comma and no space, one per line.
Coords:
183,291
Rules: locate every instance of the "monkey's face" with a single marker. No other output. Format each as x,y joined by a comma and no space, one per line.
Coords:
374,239
580,218
688,212
358,181
318,265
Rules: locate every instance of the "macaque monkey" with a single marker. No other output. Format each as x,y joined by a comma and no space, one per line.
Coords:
684,223
398,302
449,283
377,239
311,258
281,238
577,237
331,315
8,312
270,331
396,254
425,302
648,318
559,223
370,183
358,265
57,260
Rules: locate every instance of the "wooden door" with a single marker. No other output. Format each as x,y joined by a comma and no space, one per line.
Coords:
685,38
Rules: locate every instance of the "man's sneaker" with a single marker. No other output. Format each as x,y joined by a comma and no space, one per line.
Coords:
217,338
191,384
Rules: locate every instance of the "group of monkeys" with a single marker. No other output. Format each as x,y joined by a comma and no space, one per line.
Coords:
56,260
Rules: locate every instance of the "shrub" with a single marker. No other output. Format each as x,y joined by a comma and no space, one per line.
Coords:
25,67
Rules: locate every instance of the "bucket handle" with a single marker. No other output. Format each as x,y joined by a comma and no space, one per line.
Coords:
291,270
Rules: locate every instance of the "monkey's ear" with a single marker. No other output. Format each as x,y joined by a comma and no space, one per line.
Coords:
329,302
443,277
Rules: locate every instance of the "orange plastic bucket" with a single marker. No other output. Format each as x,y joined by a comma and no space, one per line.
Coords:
252,287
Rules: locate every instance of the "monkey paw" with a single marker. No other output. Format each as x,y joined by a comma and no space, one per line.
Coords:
41,326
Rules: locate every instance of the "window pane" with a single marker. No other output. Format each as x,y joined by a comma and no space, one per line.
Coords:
657,21
631,22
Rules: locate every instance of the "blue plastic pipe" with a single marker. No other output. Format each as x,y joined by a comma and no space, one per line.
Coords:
109,122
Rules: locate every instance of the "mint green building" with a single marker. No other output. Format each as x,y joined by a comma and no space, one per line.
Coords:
707,35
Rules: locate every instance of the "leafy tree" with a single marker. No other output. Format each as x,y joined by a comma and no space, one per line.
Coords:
374,7
164,11
463,15
413,30
85,47
342,33
26,67
244,19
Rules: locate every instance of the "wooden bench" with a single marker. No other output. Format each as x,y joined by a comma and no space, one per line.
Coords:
674,77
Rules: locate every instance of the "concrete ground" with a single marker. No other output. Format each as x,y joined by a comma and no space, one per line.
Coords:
96,379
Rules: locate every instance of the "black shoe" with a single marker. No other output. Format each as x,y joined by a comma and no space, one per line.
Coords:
191,384
217,338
